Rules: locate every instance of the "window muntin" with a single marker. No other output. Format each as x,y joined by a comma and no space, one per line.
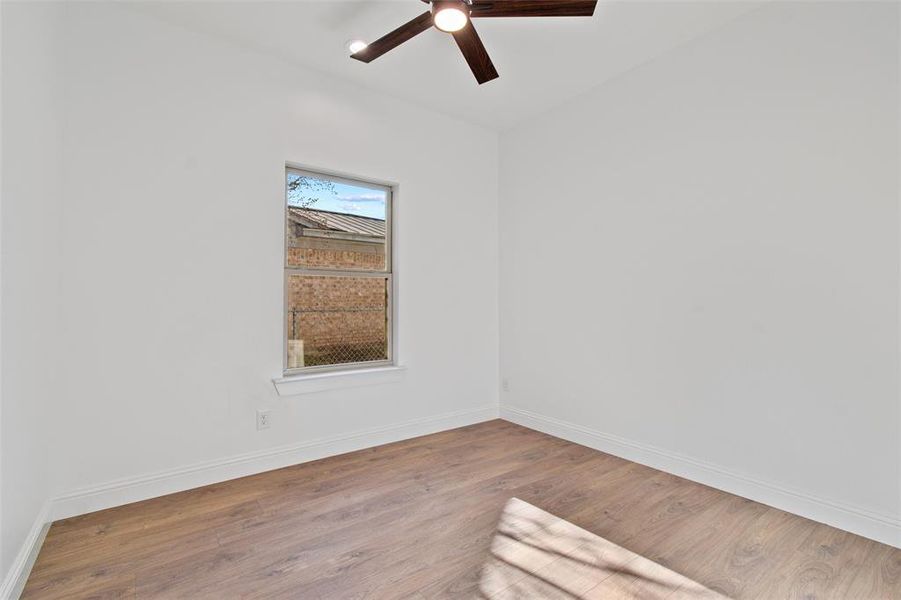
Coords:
338,280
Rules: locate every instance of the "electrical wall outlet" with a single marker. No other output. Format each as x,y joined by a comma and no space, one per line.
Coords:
263,419
505,384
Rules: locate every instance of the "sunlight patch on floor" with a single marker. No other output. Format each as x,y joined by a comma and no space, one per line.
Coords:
537,555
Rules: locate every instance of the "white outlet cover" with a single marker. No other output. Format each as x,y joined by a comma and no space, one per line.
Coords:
263,419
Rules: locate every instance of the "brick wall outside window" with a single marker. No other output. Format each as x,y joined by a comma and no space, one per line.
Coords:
340,319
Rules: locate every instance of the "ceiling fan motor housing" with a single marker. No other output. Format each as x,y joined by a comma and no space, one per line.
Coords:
439,5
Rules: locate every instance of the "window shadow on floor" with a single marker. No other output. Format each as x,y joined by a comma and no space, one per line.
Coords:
537,555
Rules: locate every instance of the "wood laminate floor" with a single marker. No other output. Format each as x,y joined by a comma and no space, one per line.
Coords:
416,519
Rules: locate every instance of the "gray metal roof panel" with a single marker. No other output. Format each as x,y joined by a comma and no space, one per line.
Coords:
344,222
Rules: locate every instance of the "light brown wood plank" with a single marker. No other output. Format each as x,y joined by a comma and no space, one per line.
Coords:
416,519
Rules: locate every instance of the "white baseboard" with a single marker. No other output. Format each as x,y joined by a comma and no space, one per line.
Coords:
15,579
880,527
143,487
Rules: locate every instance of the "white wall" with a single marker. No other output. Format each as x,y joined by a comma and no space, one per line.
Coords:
29,265
699,261
175,145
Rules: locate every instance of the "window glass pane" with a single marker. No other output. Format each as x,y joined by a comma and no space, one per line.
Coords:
336,320
335,225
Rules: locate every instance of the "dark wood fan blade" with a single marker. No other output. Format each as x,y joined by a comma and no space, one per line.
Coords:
475,54
532,8
394,39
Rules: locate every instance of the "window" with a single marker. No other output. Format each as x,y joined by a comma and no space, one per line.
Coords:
338,279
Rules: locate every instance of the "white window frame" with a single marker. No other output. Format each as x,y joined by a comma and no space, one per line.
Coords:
387,274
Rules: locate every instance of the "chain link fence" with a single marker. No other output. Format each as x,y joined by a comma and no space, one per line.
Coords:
331,336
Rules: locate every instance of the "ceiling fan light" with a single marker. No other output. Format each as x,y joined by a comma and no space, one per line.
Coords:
450,19
355,46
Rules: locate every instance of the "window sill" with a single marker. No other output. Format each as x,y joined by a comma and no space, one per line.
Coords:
295,385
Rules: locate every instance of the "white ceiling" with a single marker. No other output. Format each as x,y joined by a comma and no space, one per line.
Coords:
542,61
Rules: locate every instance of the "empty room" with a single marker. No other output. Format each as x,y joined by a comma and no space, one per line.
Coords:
476,299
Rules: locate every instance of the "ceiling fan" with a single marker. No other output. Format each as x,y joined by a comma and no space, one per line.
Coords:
454,17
